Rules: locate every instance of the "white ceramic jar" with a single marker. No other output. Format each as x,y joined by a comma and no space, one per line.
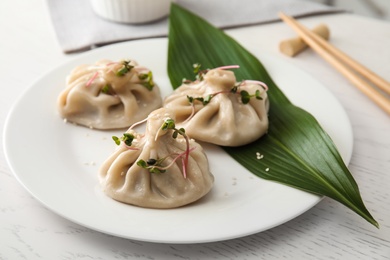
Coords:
131,11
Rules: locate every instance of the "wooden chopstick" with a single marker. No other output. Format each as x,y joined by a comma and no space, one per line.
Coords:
339,60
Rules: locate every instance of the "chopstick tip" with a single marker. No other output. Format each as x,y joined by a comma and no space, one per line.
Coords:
284,17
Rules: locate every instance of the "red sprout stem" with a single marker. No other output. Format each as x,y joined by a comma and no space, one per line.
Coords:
187,153
221,92
180,155
228,67
92,79
110,64
192,113
257,82
141,68
184,168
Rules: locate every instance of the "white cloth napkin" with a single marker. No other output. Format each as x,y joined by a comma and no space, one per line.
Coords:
78,28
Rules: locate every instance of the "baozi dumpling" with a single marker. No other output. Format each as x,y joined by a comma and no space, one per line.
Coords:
109,95
217,109
159,169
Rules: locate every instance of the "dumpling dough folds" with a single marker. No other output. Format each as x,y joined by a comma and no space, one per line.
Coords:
225,120
97,97
123,180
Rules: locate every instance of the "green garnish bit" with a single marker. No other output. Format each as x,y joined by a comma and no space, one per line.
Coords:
152,165
198,72
148,77
245,96
197,67
207,99
126,138
204,101
191,99
235,88
125,68
106,89
170,124
151,161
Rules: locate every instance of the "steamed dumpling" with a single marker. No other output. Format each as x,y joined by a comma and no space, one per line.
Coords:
217,109
109,95
151,172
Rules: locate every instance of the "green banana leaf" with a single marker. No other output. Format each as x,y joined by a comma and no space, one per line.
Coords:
297,152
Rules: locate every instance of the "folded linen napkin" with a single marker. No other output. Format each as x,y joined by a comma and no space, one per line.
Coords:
78,28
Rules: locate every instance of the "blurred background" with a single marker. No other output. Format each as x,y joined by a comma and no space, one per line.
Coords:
373,8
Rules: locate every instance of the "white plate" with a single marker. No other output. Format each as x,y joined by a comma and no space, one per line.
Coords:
58,163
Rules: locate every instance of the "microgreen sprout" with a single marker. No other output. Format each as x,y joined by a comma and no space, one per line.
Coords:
245,96
170,124
200,76
127,138
154,165
203,100
197,67
148,80
126,67
199,73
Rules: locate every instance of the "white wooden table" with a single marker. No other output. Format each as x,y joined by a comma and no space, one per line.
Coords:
28,49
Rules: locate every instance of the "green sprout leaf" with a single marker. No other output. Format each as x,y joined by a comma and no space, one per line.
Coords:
141,163
258,95
127,138
168,124
245,97
116,140
148,80
190,99
125,68
197,67
106,89
152,165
